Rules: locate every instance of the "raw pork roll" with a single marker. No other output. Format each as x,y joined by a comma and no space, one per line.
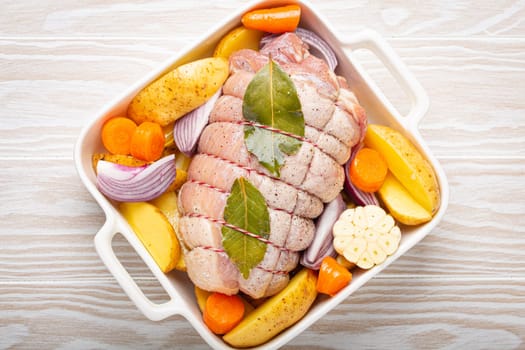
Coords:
334,123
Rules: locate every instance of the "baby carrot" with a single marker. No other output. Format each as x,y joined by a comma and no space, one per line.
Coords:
332,277
117,133
368,170
147,142
223,312
273,20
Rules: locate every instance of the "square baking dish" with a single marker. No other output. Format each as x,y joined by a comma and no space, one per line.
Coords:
379,110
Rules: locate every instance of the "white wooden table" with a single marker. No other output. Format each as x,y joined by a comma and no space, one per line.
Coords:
462,287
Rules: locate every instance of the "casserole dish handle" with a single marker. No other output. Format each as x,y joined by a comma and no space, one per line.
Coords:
372,41
103,244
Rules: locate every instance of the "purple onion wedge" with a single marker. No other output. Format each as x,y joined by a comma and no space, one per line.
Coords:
187,130
322,244
135,184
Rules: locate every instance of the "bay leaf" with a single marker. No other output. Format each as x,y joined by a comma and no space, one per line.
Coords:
246,209
271,99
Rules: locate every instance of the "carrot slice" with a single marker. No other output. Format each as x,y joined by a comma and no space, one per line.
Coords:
117,133
223,312
368,170
147,142
332,277
274,20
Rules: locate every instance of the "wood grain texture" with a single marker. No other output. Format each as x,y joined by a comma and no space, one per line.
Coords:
462,287
422,313
153,18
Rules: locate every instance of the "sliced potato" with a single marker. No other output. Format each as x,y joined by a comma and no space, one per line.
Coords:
179,91
277,313
180,178
168,205
154,231
237,39
406,163
401,205
201,295
116,158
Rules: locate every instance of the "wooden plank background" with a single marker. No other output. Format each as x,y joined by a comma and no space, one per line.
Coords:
462,287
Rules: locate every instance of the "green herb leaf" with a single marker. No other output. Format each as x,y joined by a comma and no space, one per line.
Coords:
271,99
246,209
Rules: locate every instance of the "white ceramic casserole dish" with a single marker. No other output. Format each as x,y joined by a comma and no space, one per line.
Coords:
379,110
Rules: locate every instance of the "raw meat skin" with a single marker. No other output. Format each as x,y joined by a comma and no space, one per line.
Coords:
334,123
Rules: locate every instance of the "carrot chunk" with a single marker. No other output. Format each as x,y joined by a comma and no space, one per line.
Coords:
116,135
223,312
273,20
147,142
368,170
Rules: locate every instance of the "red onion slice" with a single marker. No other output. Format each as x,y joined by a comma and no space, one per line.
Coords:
318,45
356,195
188,129
322,244
135,184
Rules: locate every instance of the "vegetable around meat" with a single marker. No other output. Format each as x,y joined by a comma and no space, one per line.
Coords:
147,142
368,170
154,231
168,205
332,277
322,244
202,296
356,195
277,313
121,159
274,20
406,163
223,312
117,133
187,130
366,236
135,184
239,38
401,205
179,91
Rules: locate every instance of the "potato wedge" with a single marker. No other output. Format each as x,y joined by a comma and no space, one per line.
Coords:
201,295
179,91
116,158
154,231
167,203
239,38
401,205
277,313
406,163
180,178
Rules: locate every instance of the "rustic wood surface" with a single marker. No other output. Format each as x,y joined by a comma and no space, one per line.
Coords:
462,287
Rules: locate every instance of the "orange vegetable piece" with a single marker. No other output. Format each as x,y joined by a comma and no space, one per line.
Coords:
117,133
147,142
223,312
273,20
332,277
368,170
